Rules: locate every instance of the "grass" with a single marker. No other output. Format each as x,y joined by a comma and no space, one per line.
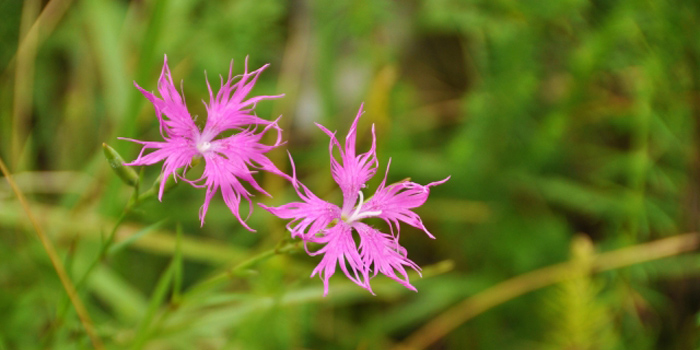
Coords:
560,122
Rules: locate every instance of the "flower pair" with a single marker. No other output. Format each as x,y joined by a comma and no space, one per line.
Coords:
229,160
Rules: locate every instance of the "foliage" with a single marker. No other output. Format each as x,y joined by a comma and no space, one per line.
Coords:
555,119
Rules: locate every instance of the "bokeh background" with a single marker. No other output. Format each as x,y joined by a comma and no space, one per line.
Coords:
569,129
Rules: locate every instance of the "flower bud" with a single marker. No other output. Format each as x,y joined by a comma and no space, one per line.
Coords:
116,162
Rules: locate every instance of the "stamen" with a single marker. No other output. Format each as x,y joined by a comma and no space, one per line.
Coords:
359,205
358,214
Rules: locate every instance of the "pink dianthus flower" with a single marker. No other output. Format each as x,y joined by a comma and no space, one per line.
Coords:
228,159
318,221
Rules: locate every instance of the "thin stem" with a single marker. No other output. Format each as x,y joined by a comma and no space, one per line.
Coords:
135,199
283,248
56,262
528,282
103,252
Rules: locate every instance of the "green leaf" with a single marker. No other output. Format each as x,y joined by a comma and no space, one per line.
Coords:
125,243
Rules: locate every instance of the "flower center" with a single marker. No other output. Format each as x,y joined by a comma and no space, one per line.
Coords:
202,147
358,214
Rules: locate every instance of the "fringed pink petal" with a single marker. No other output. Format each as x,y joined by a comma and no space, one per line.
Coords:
176,154
219,174
308,218
355,170
173,116
381,253
229,109
340,249
394,202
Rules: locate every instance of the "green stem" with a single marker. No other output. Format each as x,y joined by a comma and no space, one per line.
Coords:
103,251
241,269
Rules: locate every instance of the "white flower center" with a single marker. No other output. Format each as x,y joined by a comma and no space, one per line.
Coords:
358,213
203,146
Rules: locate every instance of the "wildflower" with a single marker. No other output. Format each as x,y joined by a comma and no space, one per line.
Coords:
228,159
318,221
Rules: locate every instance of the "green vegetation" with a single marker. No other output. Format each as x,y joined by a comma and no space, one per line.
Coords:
569,129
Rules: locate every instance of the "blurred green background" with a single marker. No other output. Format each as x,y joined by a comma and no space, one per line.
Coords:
568,127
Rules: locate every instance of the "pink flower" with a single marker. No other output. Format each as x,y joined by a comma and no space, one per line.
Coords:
228,160
315,220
